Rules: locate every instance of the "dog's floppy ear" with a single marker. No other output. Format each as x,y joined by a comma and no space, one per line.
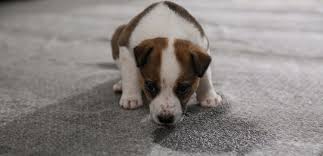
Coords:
142,52
200,62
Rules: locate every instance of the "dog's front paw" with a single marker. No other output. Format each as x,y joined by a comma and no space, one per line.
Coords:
212,99
130,102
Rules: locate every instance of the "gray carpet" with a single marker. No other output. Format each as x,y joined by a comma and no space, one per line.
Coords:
56,75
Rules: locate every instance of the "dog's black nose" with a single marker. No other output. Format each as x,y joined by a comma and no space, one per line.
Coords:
166,118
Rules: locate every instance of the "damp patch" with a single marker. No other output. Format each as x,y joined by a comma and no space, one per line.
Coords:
212,130
5,149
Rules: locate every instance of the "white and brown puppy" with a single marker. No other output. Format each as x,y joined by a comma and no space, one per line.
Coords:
163,51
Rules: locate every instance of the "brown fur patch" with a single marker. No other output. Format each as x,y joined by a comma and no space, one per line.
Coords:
151,70
126,33
183,51
185,14
193,81
114,41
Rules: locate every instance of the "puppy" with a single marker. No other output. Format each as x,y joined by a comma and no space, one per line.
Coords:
164,52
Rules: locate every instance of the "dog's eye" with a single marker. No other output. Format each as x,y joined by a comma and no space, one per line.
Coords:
151,87
183,88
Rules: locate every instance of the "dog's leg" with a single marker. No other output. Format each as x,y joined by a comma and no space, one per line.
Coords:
205,94
131,92
117,87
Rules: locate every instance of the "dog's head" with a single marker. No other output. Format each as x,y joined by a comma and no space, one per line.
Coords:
170,73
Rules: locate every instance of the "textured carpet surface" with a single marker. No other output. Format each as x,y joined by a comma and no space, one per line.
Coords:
56,77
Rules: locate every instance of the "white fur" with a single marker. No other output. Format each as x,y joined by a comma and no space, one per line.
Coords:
163,22
205,92
169,68
117,87
167,102
131,92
